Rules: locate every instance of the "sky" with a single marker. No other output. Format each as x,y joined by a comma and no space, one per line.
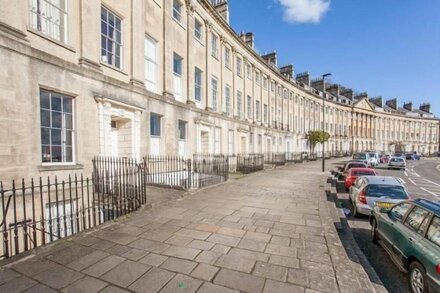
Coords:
388,48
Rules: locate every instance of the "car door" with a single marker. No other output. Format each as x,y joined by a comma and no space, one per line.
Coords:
387,222
430,248
407,236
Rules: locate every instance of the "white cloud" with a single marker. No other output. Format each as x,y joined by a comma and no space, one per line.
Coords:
304,10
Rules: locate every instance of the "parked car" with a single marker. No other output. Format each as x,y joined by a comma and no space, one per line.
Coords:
374,159
354,173
410,233
367,190
362,157
409,157
397,163
416,156
351,164
385,158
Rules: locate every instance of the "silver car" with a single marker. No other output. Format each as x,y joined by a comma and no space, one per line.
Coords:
397,163
370,191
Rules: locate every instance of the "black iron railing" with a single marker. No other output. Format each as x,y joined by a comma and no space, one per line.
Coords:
248,163
38,212
173,171
275,159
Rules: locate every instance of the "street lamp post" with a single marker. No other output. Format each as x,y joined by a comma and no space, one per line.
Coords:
323,118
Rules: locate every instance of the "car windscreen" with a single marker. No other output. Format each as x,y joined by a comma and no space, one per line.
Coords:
392,191
372,155
363,173
359,156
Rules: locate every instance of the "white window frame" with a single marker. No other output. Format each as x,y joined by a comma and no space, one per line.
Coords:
151,63
177,76
198,29
214,45
228,99
198,86
214,92
44,21
113,39
63,129
239,67
177,11
228,58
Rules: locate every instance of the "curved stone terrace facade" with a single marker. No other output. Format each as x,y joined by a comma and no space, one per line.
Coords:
129,78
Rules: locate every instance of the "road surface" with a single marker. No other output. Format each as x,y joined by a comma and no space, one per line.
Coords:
422,180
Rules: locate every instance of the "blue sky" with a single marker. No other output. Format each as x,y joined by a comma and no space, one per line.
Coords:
385,47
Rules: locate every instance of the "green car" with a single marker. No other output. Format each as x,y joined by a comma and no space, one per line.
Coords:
410,233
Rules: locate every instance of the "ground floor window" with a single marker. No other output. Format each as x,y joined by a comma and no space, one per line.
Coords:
57,127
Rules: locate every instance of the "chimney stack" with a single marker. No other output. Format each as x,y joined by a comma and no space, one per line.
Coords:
248,38
426,107
304,78
392,104
287,71
334,89
318,84
408,106
378,101
271,58
222,7
361,96
346,92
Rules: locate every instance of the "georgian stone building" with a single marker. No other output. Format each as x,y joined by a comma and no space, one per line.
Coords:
128,78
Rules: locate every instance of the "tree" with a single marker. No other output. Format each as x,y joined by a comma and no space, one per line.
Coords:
316,137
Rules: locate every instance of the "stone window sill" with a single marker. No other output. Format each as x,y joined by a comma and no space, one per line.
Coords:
61,167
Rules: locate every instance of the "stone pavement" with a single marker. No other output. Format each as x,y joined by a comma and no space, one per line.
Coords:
271,231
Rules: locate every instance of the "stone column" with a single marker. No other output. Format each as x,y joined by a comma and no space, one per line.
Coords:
190,79
137,43
90,47
208,29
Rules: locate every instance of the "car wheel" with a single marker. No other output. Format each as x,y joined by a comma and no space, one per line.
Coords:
374,231
417,278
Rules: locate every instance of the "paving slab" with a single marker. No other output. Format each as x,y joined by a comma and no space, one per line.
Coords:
270,231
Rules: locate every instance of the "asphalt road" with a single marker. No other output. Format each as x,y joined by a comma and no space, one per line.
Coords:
422,180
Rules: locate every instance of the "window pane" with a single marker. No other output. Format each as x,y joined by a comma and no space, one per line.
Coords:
56,136
155,125
103,28
416,217
68,139
45,154
45,118
68,157
45,136
434,231
56,154
44,100
56,120
67,105
56,102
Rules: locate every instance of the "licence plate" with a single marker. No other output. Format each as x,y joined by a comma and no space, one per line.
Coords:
381,204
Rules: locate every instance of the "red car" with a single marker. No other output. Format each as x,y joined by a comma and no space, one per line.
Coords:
353,173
